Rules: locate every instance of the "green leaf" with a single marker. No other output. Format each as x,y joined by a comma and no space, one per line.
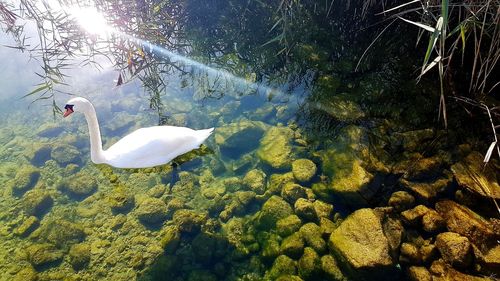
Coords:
277,38
432,42
41,88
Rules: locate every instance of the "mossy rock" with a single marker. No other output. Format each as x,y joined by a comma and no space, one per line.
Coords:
40,154
288,225
28,226
275,148
235,139
43,254
287,277
26,274
313,237
152,210
170,238
309,264
120,200
79,185
270,248
189,220
274,209
292,246
37,202
255,180
50,130
291,192
331,269
62,233
65,154
79,256
283,265
340,107
303,169
278,181
26,178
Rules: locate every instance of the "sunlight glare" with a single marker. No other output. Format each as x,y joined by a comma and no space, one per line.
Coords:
91,20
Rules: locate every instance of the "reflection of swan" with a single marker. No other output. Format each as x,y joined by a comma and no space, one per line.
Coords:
146,147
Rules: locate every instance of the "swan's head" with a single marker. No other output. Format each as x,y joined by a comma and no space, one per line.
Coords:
77,105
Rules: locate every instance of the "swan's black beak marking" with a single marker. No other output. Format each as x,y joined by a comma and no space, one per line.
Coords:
69,110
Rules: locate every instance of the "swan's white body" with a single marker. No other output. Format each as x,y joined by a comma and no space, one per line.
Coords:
145,147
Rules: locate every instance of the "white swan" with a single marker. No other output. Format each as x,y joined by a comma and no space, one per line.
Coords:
145,147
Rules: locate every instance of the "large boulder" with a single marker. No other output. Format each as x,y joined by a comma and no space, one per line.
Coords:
43,254
61,233
360,244
274,209
235,139
152,210
37,202
466,222
26,178
275,148
65,154
471,175
79,185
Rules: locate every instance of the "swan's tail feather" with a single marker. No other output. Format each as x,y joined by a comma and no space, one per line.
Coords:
202,135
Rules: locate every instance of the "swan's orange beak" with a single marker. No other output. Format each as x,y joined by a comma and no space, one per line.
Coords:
69,110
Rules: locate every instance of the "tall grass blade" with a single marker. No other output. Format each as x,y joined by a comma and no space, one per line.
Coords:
489,152
397,7
421,25
432,41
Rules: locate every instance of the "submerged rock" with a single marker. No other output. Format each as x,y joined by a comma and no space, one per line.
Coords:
152,210
340,107
275,148
455,249
401,200
26,274
255,180
331,269
65,154
361,244
292,191
235,139
79,185
189,220
309,264
62,233
274,209
312,235
471,174
79,255
43,254
26,178
288,225
303,169
37,202
283,265
292,246
28,225
50,130
120,200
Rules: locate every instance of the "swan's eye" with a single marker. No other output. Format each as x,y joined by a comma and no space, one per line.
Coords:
69,106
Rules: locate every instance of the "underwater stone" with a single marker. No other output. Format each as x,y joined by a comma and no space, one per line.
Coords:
170,239
305,209
287,226
65,154
278,181
433,222
361,243
175,204
235,139
26,274
62,233
275,148
283,265
270,248
455,249
40,154
327,227
309,264
472,175
204,246
322,209
26,178
79,255
409,254
303,169
189,220
340,107
157,190
322,190
152,210
37,202
255,180
79,185
330,268
50,130
401,200
120,201
464,221
419,273
292,246
28,225
413,216
274,208
287,277
292,191
312,235
42,254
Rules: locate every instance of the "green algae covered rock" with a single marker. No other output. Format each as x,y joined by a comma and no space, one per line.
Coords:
292,246
152,210
331,269
288,225
287,277
189,220
274,209
62,233
43,254
26,274
79,255
292,191
237,138
26,178
170,239
309,264
37,202
278,181
303,169
79,185
50,130
361,245
275,148
255,180
455,249
65,154
283,265
270,248
313,237
120,201
28,225
340,107
305,209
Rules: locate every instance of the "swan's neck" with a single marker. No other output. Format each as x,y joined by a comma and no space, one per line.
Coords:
96,152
